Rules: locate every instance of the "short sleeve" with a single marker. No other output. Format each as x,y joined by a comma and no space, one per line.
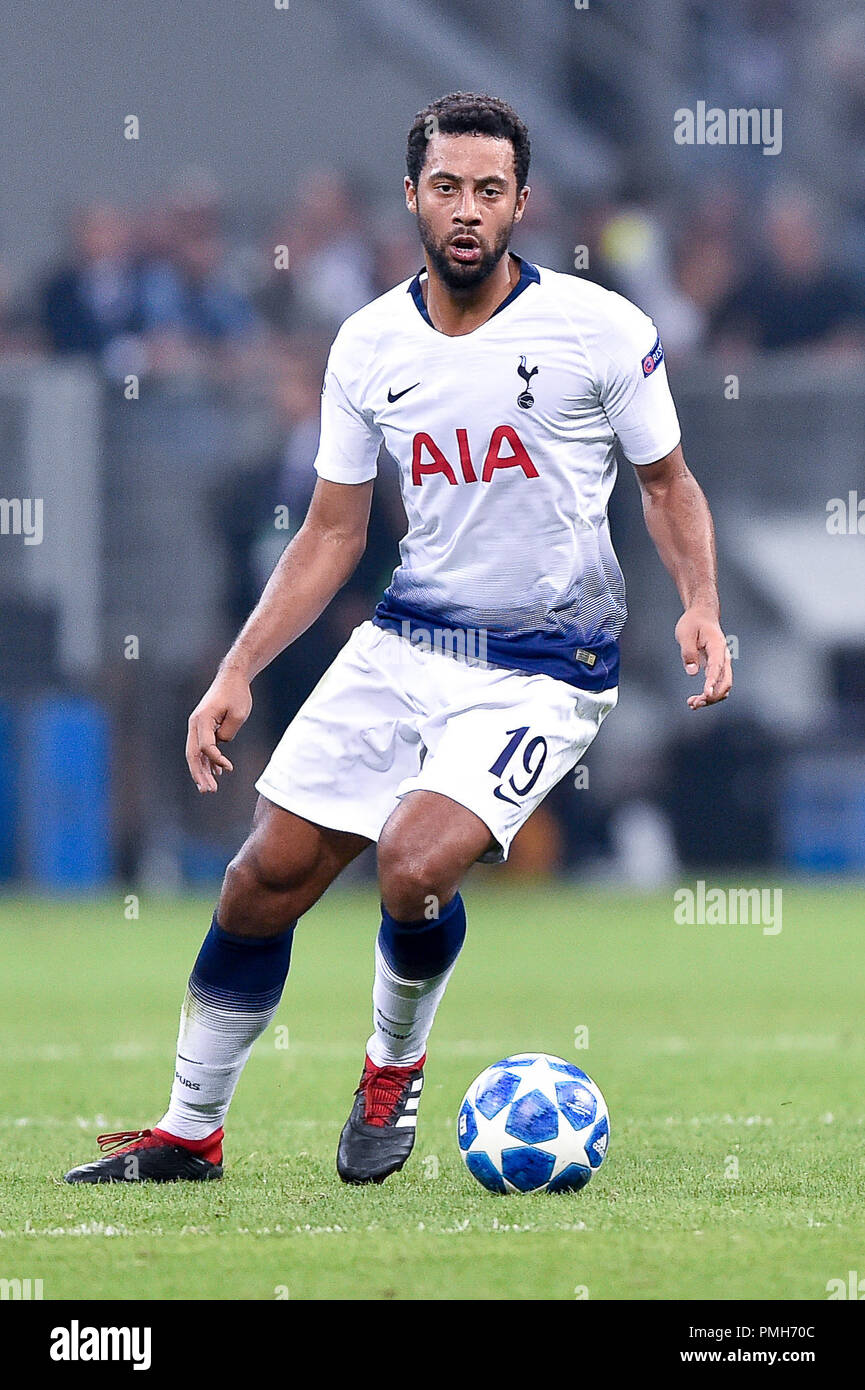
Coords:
635,393
349,440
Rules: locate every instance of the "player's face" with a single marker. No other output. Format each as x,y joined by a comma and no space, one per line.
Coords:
466,203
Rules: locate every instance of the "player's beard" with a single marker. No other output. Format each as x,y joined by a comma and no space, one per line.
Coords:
451,273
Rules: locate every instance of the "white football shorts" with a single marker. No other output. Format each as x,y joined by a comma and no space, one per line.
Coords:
390,717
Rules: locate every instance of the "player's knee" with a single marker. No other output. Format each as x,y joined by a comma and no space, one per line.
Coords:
260,893
413,881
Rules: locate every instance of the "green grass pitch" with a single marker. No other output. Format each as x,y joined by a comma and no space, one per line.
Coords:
732,1062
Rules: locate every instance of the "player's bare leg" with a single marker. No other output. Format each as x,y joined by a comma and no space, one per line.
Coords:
281,871
234,990
426,847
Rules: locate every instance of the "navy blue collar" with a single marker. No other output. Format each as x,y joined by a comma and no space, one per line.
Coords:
529,275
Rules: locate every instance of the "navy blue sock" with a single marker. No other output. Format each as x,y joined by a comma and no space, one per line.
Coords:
231,998
241,972
419,950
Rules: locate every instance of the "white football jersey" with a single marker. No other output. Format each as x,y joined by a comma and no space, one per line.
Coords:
505,442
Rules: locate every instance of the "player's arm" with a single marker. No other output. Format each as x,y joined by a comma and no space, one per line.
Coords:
312,568
680,524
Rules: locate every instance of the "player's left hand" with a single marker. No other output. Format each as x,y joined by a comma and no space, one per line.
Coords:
704,646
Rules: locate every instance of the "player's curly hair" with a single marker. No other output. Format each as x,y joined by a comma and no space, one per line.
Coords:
465,113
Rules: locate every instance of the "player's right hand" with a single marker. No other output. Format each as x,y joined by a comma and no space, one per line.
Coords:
216,719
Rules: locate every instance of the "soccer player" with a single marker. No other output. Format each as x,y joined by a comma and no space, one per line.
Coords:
501,390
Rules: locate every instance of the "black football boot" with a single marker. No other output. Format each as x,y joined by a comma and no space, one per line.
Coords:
378,1135
152,1156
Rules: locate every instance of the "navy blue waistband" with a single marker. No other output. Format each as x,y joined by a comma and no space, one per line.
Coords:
588,663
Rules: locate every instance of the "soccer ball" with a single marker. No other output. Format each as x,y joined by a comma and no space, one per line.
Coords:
533,1123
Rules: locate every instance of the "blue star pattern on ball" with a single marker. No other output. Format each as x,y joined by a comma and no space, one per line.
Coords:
576,1103
533,1123
497,1093
533,1117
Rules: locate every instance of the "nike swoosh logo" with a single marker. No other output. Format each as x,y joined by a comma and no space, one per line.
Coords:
395,395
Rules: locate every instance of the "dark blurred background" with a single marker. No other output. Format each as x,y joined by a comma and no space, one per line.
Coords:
160,373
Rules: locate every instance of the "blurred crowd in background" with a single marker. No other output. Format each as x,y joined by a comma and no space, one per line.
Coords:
732,254
182,288
734,258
